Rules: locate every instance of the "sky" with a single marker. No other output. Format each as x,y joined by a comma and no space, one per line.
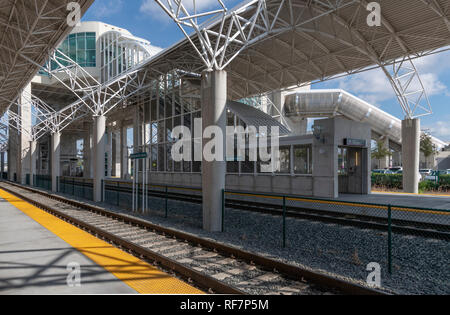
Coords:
144,18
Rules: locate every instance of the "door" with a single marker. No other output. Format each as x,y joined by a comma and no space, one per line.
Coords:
355,171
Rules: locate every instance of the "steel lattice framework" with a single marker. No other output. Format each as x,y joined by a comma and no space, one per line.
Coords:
271,44
29,29
268,45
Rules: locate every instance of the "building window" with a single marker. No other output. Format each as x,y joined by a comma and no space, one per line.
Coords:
303,159
342,161
80,47
285,160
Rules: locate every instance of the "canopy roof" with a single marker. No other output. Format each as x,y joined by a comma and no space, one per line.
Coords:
29,30
295,42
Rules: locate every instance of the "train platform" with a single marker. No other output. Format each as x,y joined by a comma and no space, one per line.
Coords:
41,254
431,201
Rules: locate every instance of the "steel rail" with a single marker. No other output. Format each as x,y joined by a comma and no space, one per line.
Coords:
287,270
408,227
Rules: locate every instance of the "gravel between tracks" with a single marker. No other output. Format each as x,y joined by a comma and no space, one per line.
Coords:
420,265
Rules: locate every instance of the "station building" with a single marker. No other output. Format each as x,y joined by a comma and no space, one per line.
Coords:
107,94
333,157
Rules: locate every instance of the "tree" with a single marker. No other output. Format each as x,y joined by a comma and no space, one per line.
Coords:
427,147
380,151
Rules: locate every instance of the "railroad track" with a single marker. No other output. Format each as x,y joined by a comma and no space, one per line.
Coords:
212,266
407,227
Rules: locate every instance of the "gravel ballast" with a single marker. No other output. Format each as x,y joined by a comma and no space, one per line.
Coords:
420,265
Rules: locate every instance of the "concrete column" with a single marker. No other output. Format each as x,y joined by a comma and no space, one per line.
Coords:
386,161
411,154
116,153
13,152
25,116
397,158
55,161
99,155
123,152
2,164
214,98
137,130
33,155
87,151
109,151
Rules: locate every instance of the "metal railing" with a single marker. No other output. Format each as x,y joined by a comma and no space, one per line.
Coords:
77,186
329,232
393,220
42,181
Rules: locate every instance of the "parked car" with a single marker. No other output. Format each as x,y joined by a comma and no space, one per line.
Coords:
395,169
426,171
418,174
382,171
434,175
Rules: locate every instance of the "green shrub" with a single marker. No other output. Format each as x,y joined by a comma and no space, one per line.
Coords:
395,181
392,181
444,182
428,186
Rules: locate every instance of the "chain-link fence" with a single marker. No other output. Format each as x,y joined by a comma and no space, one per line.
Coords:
42,181
76,186
411,244
151,199
407,242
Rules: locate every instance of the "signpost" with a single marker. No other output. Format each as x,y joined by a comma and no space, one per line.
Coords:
139,156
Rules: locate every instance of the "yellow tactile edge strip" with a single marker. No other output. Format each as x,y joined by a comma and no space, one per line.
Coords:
403,193
139,275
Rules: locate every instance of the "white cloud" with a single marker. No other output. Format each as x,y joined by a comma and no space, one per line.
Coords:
440,129
374,87
106,8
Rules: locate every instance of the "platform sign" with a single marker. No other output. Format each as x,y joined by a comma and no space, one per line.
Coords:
355,142
139,155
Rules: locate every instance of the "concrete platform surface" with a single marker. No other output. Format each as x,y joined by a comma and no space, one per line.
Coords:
34,261
399,199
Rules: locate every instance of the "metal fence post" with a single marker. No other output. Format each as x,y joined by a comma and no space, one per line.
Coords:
284,221
73,186
166,195
223,210
389,239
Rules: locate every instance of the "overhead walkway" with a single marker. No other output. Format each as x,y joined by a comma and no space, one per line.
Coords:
326,103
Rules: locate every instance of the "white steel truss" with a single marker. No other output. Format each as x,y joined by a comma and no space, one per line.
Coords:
223,38
264,103
268,45
109,96
237,28
29,29
409,88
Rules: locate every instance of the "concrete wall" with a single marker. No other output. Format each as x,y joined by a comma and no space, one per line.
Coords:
325,154
287,184
443,160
